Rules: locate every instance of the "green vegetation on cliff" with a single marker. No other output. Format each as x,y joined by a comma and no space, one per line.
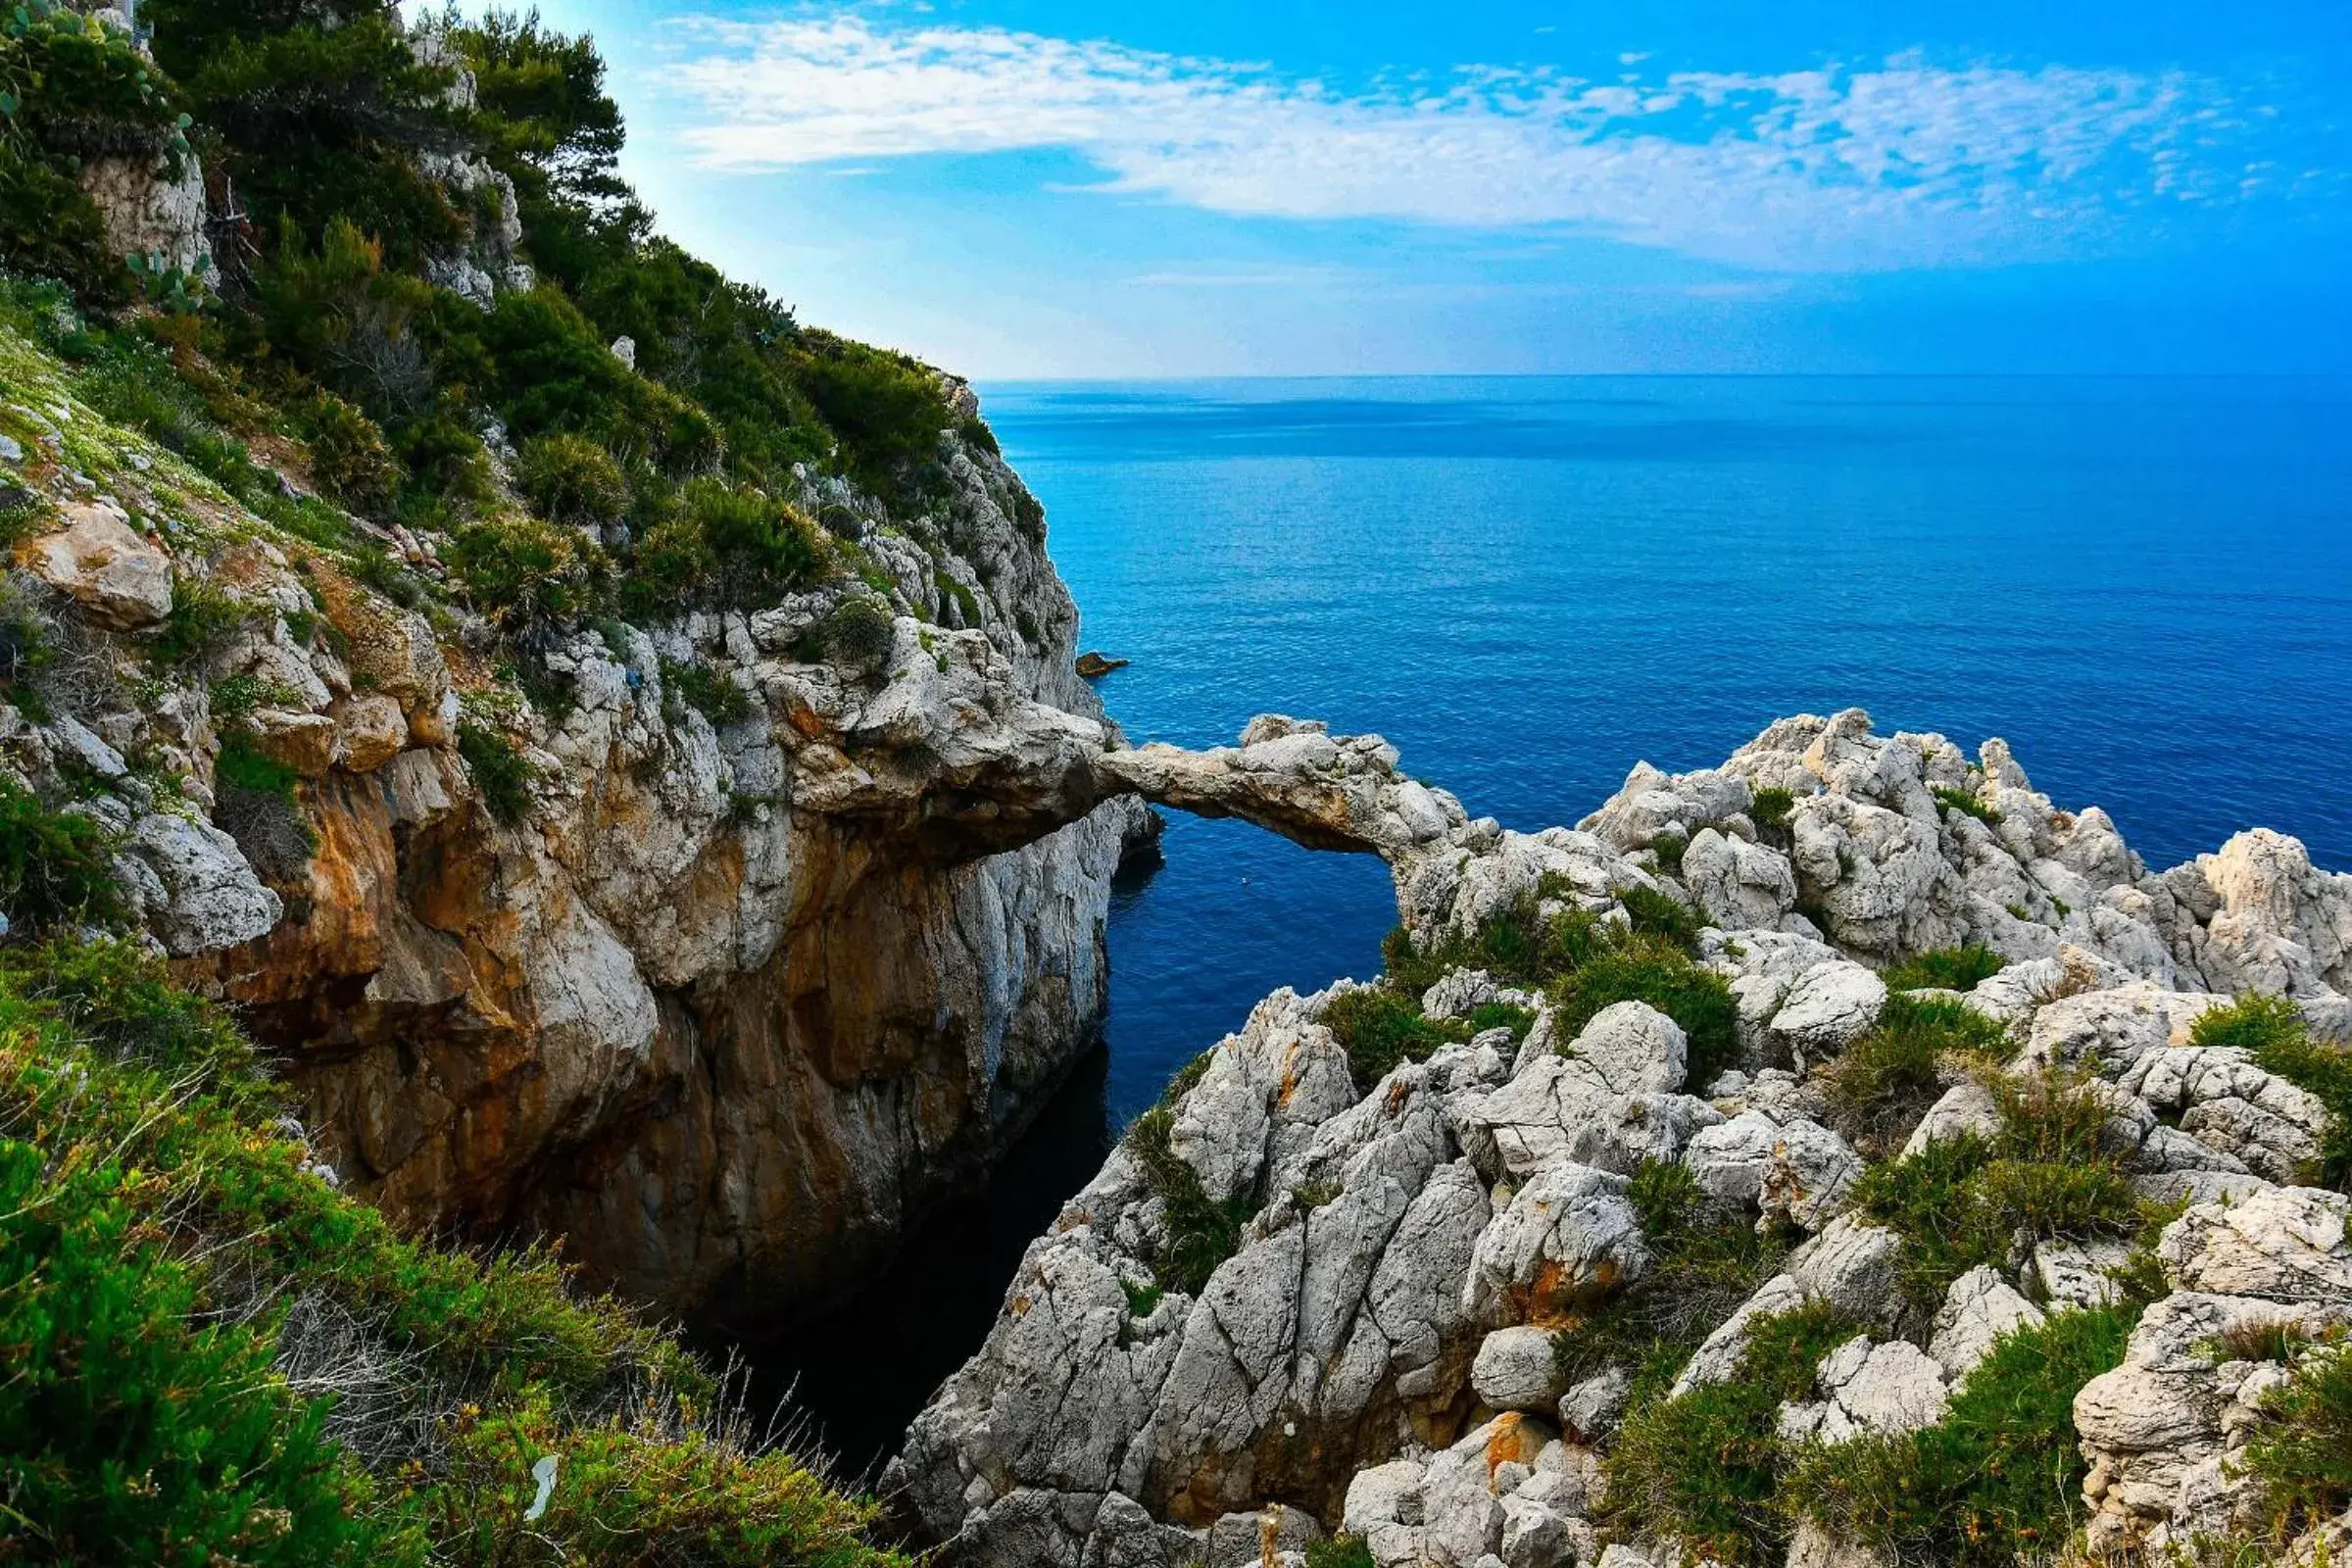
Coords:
219,1357
401,378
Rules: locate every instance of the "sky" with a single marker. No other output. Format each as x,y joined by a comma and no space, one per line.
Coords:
1039,188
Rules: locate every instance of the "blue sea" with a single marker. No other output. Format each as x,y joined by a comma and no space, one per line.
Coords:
1528,584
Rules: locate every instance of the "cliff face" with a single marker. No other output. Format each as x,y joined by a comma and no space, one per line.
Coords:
702,1000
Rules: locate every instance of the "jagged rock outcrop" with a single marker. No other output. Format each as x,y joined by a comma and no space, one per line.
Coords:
1374,1350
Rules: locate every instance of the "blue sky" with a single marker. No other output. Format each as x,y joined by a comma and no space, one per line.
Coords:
1020,188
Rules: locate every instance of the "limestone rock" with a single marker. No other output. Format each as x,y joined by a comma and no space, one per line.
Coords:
1828,1007
211,899
1569,1238
1978,1308
2284,1245
111,571
1869,1388
1631,1049
1516,1370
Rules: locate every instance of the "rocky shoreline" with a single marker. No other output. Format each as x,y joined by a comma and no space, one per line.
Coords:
1379,1350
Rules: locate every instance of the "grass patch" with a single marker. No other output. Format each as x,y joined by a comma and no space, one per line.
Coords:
1380,1028
55,867
1945,969
500,772
1198,1232
1961,801
2302,1454
2273,1030
1142,1299
1883,1081
1705,1261
1769,810
1706,1468
1962,1202
1339,1551
707,692
2002,1476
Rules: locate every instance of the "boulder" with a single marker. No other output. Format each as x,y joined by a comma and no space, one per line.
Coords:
2283,1243
118,575
1517,1370
1979,1308
1569,1238
1630,1048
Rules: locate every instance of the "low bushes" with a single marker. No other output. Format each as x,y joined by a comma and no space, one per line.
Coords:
1644,966
55,867
1962,1202
522,571
1706,1468
2000,1477
1885,1081
1967,803
704,690
500,772
1198,1232
162,1246
572,481
1706,1260
1943,969
2302,1453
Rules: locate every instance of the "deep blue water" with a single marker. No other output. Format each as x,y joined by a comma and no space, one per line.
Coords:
2145,585
1527,584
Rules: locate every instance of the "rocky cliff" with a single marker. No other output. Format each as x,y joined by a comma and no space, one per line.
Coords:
703,998
1821,1156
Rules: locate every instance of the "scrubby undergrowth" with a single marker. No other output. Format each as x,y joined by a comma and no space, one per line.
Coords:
221,1358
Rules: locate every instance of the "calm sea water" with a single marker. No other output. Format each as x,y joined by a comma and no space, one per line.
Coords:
1527,584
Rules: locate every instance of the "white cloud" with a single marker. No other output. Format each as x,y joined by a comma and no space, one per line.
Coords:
1902,163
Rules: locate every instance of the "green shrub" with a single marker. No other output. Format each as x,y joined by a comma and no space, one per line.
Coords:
120,999
1142,1299
714,696
2273,1031
1960,1203
1644,966
888,410
1667,849
1339,1551
1945,969
857,634
500,772
254,802
204,621
1886,1080
350,457
1198,1232
572,481
1769,810
136,1422
1654,913
522,570
2252,1022
57,869
2302,1453
2000,1477
155,1235
1380,1028
1962,801
1707,1467
1706,1260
